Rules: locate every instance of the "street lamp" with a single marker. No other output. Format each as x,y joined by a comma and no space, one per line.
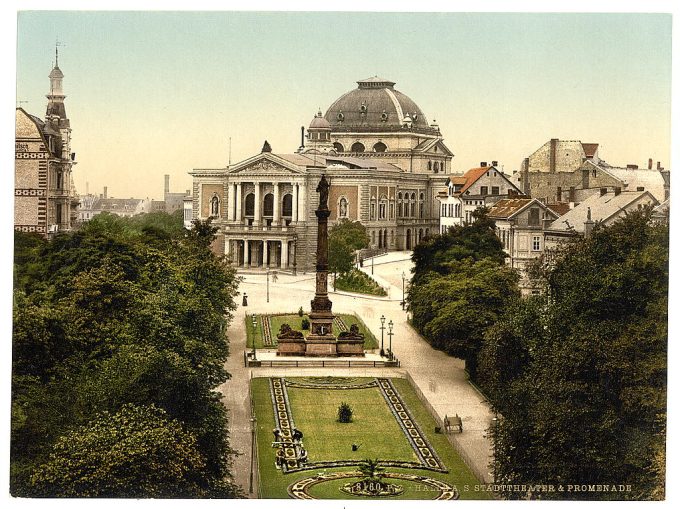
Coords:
267,284
390,334
372,258
253,429
382,335
295,254
403,291
254,334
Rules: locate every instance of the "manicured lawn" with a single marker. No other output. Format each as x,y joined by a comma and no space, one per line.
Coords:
374,428
295,322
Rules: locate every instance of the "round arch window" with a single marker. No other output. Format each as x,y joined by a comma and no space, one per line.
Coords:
380,147
338,147
358,147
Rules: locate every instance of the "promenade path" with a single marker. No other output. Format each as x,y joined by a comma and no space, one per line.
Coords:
440,378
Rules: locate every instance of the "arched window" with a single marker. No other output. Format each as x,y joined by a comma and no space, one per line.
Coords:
400,210
343,207
268,208
429,166
380,147
338,147
413,205
358,147
215,206
421,205
436,167
382,207
287,209
420,235
250,204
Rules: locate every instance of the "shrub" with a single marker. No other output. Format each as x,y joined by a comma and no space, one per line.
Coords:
305,324
344,412
300,312
359,282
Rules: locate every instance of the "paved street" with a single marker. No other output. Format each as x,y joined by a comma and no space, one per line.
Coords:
439,377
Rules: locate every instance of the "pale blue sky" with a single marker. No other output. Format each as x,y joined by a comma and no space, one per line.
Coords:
150,93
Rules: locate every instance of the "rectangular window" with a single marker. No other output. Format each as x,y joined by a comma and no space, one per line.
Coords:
382,211
443,210
372,216
495,190
536,243
391,210
484,190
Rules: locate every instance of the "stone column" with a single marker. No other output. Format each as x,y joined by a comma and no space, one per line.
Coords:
230,202
227,247
239,200
258,206
302,207
255,255
295,203
265,250
277,205
246,253
284,254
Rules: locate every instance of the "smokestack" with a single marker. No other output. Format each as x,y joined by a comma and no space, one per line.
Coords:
106,190
167,184
649,164
302,136
553,154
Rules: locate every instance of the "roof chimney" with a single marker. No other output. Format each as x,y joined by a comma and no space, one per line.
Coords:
167,184
494,163
106,189
658,166
603,191
617,191
632,166
553,154
483,164
649,164
302,136
588,225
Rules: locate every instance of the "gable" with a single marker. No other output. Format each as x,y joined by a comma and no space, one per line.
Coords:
265,164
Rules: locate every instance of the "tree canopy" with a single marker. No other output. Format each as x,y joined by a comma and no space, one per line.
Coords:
126,311
579,376
344,238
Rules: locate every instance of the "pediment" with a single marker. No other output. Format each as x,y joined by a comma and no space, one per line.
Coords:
264,164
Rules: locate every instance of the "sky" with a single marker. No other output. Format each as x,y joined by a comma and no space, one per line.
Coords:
155,93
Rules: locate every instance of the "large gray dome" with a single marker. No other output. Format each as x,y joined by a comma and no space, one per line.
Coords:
376,106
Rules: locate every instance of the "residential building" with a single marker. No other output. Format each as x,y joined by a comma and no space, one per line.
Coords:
478,187
520,225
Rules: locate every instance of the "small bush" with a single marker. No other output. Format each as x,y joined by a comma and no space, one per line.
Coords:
300,312
305,324
344,412
359,282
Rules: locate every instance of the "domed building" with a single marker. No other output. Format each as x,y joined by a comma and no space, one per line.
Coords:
386,164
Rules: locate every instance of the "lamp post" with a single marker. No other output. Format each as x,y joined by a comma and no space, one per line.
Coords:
403,291
382,335
267,284
295,254
253,428
254,333
390,334
372,258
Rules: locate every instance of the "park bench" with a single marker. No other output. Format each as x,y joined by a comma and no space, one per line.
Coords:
453,422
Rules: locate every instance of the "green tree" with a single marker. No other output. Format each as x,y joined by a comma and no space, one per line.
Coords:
137,452
344,238
584,400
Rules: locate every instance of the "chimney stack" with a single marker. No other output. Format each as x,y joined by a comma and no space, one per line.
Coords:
483,164
658,166
603,191
494,163
649,164
632,166
617,191
106,189
588,225
167,184
302,136
553,154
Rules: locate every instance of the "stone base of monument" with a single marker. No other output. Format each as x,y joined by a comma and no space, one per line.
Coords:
291,346
350,347
321,347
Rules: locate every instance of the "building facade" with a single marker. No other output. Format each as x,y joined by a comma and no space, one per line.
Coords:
44,198
478,187
379,153
520,225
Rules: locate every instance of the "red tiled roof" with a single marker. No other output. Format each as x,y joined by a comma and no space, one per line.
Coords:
590,148
458,179
559,208
472,175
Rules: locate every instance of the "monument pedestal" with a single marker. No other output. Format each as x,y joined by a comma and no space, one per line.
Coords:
292,347
321,347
